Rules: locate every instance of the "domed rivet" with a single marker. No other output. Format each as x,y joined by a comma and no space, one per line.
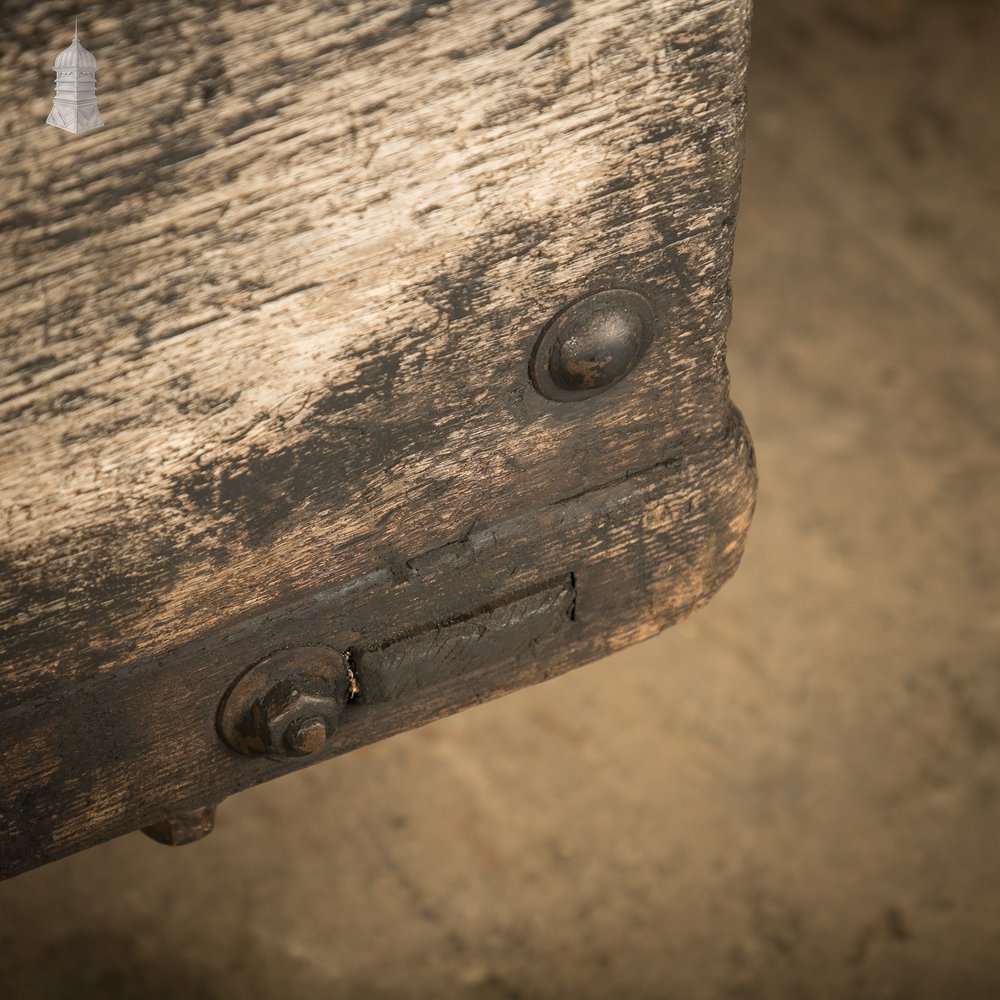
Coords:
592,345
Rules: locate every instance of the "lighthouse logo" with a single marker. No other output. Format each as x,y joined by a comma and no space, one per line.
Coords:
75,106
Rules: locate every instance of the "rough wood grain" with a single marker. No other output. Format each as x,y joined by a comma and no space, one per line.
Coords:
403,665
135,746
268,329
266,339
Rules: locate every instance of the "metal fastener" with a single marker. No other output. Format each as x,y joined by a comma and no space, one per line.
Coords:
592,345
182,827
288,704
305,736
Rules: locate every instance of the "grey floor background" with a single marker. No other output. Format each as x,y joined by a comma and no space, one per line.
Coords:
795,794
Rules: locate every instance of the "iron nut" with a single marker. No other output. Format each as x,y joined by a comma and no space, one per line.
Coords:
293,721
287,705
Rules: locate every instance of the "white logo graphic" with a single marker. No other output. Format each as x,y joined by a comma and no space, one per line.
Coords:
75,105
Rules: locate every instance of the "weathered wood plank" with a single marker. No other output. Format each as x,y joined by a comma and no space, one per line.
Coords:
265,339
129,746
394,667
269,328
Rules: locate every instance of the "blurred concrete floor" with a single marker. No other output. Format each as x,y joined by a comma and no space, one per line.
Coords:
796,794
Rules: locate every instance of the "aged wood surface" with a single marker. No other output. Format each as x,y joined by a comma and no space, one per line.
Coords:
401,666
267,334
268,329
131,748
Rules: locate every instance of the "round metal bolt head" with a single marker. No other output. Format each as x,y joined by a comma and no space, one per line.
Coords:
592,345
305,736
